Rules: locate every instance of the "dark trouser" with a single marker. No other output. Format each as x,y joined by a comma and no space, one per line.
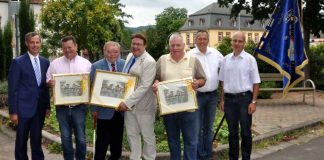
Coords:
236,111
109,133
33,127
208,102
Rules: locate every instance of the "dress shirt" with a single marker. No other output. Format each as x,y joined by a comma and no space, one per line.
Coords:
239,73
31,57
129,64
110,67
211,62
63,65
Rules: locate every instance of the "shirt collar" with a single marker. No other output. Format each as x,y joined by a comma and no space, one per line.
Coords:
241,55
185,57
197,51
32,56
109,64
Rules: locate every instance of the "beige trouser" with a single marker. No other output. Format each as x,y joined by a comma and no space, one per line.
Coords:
137,125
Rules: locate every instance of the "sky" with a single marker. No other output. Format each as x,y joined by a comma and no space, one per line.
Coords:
144,11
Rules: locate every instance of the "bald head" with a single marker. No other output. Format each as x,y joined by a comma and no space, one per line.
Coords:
238,42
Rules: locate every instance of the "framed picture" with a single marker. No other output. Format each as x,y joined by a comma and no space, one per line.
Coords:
176,96
71,88
111,88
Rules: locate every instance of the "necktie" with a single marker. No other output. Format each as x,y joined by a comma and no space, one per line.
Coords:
130,66
113,68
37,71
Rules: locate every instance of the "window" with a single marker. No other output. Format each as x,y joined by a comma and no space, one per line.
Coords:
194,36
249,36
219,22
190,22
187,38
220,37
201,21
256,37
228,34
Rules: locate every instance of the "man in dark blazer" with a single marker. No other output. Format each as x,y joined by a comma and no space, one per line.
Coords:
110,124
29,98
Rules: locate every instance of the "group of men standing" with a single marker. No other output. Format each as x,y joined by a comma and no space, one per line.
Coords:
30,77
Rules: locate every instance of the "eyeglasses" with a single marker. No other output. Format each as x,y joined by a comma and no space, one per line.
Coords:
137,44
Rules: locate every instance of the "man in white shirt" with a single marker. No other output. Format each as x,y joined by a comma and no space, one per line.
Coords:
207,97
240,79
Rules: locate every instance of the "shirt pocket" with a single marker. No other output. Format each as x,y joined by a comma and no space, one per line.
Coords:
186,72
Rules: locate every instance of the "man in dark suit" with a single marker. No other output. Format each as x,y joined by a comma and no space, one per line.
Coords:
110,123
29,98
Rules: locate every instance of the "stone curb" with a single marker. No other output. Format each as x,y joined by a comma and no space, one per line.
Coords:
217,153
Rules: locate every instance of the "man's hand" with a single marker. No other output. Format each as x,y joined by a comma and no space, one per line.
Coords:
122,107
195,84
48,113
51,83
252,108
14,118
154,87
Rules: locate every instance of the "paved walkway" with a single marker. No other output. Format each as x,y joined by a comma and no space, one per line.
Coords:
277,113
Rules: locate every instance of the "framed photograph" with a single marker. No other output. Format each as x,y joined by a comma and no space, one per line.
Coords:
176,96
111,88
71,88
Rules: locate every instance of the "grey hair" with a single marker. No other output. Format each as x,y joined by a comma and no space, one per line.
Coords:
175,35
111,43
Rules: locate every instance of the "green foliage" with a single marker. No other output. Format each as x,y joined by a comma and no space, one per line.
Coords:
51,122
264,94
316,62
222,135
3,87
26,23
55,148
167,22
225,47
83,19
2,58
7,47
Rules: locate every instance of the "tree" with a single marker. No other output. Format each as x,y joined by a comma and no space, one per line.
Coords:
2,58
167,22
26,23
7,47
91,22
313,20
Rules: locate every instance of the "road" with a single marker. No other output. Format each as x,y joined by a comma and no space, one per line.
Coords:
312,150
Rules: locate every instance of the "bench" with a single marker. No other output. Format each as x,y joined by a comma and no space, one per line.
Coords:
277,77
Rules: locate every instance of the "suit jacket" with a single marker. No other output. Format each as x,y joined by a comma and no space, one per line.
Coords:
104,113
143,99
25,96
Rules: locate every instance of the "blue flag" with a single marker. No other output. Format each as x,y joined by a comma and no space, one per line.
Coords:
282,46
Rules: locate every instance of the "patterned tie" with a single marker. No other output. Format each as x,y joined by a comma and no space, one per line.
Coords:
37,71
130,66
113,68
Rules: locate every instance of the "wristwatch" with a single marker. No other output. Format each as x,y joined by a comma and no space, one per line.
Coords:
254,101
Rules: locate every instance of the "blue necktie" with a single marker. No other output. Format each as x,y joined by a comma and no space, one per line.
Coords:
130,66
37,71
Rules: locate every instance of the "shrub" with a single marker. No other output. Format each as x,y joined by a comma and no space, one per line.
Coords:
3,87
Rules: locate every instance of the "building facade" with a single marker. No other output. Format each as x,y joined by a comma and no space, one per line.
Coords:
9,10
219,24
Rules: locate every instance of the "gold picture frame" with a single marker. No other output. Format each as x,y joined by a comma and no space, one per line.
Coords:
176,96
111,88
71,88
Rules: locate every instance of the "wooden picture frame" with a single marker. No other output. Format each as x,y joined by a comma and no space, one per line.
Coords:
71,89
176,96
111,88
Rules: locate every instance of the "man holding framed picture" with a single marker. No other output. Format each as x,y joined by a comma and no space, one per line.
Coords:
110,123
173,66
71,118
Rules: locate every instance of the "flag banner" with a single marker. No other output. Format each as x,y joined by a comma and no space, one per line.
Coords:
282,46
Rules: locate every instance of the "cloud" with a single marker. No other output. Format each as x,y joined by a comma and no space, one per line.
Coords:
144,11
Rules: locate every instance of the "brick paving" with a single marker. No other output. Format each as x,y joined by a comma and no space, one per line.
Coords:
276,113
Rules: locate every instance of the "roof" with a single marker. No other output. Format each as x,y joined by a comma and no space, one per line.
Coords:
215,9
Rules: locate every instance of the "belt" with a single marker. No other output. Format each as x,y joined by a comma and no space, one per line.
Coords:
211,92
234,95
68,106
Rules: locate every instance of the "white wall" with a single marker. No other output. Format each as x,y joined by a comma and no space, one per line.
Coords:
3,13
